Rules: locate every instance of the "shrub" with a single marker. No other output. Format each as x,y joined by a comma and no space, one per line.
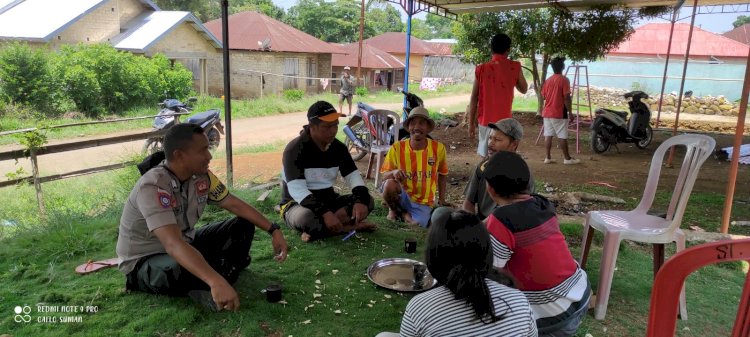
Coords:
293,95
99,78
361,91
25,76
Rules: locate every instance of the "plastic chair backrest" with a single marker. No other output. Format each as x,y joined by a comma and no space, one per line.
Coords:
382,132
662,318
699,148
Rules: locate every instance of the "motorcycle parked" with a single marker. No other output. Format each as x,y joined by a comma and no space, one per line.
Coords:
611,126
170,114
360,133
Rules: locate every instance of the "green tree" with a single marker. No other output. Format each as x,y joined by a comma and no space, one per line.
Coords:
419,29
336,21
541,34
201,9
440,27
383,18
99,78
267,7
741,20
24,75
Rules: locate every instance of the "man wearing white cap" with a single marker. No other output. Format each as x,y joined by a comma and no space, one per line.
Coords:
347,90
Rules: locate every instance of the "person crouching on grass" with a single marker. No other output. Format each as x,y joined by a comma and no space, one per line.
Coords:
413,170
529,247
505,135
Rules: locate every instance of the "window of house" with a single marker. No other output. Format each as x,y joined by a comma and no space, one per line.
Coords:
291,68
312,71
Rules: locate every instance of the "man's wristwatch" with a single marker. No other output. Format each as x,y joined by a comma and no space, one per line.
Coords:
273,228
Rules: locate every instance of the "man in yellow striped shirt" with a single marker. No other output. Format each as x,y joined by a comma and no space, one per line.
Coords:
414,169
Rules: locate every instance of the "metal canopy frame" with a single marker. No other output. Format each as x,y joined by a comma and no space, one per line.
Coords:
451,9
456,7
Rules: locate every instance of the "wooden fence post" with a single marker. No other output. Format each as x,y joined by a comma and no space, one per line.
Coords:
37,183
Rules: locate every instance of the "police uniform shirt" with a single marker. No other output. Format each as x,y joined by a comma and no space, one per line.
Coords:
160,199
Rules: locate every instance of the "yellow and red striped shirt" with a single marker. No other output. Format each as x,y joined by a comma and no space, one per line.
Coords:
421,167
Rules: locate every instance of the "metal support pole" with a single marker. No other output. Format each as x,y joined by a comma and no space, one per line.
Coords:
409,13
682,82
361,33
227,89
666,66
733,166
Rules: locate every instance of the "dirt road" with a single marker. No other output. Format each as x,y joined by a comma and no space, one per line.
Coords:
245,132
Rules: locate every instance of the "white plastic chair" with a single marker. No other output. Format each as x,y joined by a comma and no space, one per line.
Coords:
637,225
381,142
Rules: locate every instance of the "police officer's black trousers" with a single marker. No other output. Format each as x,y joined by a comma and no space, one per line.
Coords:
225,245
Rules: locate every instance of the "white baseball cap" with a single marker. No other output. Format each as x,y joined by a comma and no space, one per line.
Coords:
347,68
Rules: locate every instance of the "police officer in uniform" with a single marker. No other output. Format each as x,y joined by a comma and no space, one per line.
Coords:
160,250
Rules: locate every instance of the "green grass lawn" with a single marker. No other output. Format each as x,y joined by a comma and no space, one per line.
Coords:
326,291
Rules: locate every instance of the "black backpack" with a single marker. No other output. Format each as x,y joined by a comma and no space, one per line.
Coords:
151,161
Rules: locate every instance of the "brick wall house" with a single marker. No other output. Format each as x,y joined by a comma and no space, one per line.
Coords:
262,50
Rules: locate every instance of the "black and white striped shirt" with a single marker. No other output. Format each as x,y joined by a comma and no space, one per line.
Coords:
438,313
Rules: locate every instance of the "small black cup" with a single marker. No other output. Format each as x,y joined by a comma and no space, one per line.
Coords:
273,293
410,245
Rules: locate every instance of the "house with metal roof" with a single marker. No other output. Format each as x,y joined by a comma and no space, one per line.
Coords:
715,63
740,34
394,43
380,70
268,56
650,41
136,26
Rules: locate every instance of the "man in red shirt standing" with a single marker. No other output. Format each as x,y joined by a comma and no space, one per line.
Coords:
492,95
557,103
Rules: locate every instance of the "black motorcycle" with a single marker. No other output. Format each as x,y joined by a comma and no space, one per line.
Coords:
611,126
169,115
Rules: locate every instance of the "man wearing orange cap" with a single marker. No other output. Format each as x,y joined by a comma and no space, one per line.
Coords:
311,163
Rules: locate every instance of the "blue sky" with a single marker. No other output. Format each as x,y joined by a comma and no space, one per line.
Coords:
716,23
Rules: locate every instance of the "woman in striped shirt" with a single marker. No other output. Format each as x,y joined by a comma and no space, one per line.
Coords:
467,302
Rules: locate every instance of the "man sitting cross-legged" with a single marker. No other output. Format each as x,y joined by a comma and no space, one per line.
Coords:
311,163
414,169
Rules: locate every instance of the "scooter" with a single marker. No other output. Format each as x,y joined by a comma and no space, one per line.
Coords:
611,126
359,132
169,115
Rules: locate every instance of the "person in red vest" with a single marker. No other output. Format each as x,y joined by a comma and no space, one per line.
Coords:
492,95
529,247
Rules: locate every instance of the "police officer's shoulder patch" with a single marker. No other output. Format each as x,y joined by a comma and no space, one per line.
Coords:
216,191
164,198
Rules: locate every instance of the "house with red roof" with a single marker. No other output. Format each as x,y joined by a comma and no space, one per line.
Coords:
268,56
394,43
715,65
380,70
740,34
650,41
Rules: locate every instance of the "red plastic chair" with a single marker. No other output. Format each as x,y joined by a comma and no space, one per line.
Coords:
662,318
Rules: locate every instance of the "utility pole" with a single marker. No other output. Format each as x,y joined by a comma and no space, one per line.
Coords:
361,33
